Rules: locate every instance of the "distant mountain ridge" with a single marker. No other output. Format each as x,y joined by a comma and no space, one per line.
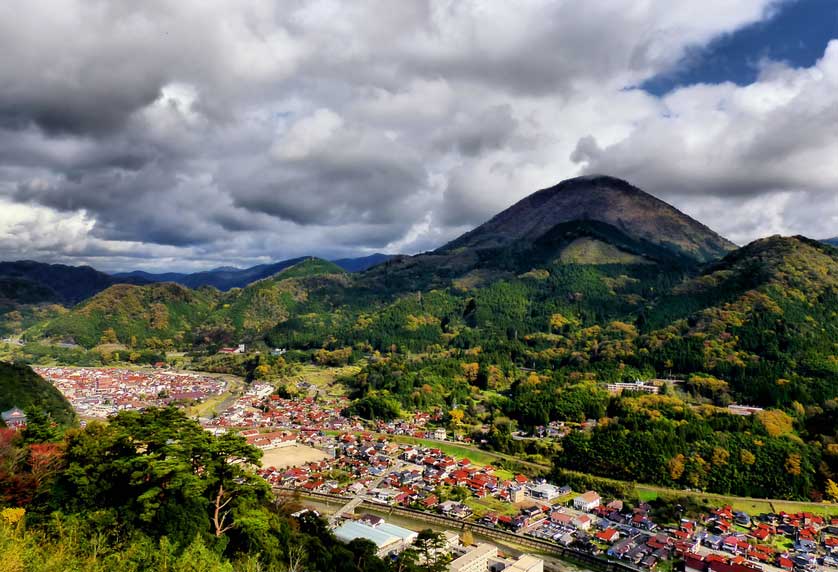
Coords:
59,282
228,277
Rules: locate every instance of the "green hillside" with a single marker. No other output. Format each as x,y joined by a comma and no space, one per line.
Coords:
765,318
309,267
263,304
163,315
169,316
21,387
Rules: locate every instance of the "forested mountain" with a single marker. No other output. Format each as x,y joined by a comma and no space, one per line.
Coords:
23,388
765,318
362,263
582,295
603,199
223,278
39,282
33,291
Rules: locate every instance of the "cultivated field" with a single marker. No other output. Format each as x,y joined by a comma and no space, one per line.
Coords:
293,456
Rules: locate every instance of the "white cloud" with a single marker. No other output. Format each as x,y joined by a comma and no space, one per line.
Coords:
771,143
210,132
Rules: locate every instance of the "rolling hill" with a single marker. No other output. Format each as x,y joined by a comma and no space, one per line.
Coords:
21,387
765,318
168,315
133,315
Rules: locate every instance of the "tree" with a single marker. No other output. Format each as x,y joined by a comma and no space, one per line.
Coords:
161,473
45,461
467,538
197,557
559,321
431,548
792,464
832,490
470,371
109,337
456,416
776,422
676,467
40,428
720,456
220,516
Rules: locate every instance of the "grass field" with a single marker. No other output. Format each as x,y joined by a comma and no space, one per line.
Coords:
504,475
325,378
749,505
476,456
490,504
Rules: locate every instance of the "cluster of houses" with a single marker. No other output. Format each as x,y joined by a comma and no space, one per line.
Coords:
271,440
259,407
723,541
616,531
807,539
360,459
100,392
421,477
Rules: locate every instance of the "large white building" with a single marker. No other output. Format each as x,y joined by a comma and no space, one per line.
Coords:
525,563
484,558
388,538
641,386
543,491
587,501
475,560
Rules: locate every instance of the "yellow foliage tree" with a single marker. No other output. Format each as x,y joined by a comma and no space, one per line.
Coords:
720,456
262,371
776,422
747,457
793,464
559,321
109,337
832,490
12,516
676,467
457,416
470,370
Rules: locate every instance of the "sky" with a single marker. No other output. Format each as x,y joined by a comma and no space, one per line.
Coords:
186,135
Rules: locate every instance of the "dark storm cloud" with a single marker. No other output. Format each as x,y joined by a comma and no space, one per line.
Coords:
489,129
